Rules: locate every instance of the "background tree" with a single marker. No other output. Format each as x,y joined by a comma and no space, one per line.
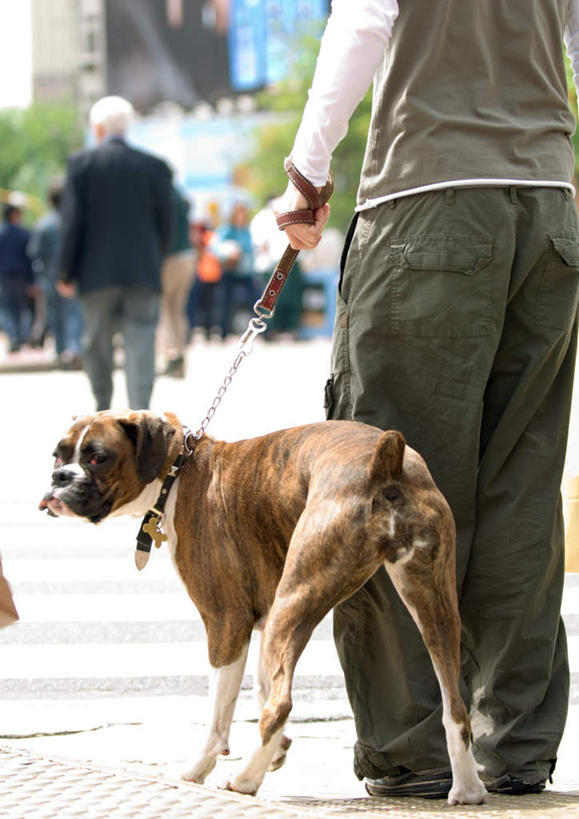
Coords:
35,144
263,171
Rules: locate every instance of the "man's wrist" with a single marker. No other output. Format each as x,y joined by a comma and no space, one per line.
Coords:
315,178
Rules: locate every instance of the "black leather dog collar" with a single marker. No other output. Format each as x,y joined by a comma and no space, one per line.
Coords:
151,526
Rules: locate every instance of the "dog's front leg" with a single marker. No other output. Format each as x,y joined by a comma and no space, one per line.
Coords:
224,685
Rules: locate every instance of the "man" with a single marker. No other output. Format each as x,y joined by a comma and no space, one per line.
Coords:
60,316
116,222
176,278
456,324
233,247
16,278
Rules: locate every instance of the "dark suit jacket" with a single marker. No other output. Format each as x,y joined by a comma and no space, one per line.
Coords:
116,218
14,261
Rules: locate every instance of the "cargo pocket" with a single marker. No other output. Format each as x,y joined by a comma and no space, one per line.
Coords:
440,286
557,299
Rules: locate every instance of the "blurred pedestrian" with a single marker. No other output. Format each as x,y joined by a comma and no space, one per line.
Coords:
16,278
54,314
205,302
116,225
269,243
176,278
233,247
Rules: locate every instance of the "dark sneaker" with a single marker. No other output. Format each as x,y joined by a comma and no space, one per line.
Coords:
512,786
407,783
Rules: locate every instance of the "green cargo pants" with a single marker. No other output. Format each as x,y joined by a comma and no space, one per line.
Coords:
456,324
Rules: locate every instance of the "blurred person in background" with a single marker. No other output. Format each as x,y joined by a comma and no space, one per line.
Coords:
233,247
269,244
176,278
116,228
205,302
16,278
55,314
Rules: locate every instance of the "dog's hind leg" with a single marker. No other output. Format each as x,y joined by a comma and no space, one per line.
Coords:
307,591
281,652
224,685
430,598
292,618
262,691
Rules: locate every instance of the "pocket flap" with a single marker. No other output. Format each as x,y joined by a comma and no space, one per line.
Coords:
568,249
454,254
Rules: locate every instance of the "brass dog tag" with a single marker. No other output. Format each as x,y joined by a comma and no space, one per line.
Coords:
152,529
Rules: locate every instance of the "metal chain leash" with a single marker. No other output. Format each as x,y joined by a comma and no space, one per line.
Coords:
255,327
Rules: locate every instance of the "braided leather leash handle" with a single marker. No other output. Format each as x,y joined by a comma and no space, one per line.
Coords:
266,304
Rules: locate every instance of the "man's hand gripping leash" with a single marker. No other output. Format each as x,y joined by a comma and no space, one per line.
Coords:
303,222
303,209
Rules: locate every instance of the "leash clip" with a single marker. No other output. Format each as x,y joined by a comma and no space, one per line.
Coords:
256,327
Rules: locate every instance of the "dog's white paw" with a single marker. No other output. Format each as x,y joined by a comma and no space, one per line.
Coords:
205,764
199,772
473,794
241,784
191,776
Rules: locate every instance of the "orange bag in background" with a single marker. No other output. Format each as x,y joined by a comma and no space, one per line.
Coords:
208,266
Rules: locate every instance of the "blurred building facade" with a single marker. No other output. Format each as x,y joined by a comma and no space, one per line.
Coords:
191,68
186,52
68,52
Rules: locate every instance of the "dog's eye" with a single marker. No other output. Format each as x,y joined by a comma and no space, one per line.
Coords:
95,459
58,461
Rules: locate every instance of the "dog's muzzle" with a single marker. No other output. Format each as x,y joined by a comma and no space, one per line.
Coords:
75,494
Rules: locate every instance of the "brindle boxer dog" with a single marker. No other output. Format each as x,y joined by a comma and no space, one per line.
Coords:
271,533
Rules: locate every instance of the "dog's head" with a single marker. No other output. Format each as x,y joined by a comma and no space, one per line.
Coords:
105,461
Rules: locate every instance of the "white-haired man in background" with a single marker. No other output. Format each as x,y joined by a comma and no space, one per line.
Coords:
116,230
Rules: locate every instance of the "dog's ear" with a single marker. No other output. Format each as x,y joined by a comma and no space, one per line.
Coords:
151,437
386,463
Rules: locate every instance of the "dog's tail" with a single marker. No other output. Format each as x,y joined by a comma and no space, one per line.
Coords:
385,473
385,468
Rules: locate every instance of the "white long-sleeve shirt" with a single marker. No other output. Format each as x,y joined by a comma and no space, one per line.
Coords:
352,48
